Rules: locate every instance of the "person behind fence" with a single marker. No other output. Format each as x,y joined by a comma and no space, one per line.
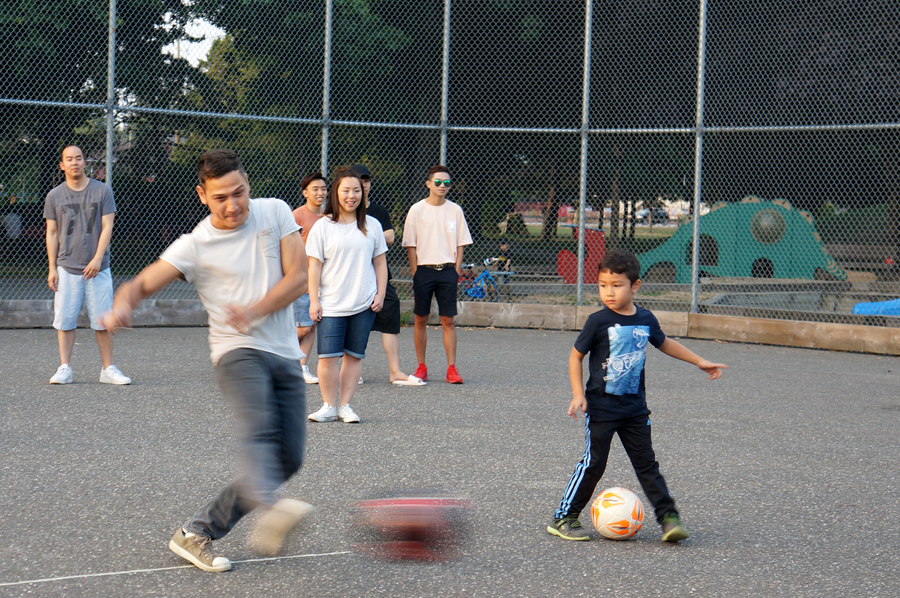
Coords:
347,281
247,262
315,189
387,321
434,236
614,401
80,214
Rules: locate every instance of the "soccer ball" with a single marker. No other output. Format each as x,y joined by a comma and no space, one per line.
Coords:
617,513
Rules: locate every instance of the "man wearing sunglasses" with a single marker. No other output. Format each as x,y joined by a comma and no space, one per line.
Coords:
434,236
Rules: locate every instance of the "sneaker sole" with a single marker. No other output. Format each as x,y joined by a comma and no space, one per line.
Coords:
60,382
676,535
559,534
116,383
174,547
324,419
350,421
316,381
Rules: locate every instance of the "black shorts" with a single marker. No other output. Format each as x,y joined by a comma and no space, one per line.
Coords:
441,284
388,319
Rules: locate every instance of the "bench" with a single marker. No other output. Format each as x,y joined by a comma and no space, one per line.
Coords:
863,257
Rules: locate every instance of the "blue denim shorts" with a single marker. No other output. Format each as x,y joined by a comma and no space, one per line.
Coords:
73,291
301,312
344,334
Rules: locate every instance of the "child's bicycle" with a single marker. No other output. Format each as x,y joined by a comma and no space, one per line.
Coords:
483,287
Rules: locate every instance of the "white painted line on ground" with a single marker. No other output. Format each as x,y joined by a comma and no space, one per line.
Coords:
276,558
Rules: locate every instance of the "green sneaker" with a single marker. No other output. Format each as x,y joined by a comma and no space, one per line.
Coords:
673,530
568,528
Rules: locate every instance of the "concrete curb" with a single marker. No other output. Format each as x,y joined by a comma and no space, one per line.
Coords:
818,335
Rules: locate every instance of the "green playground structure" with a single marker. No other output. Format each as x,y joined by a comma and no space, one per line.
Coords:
755,238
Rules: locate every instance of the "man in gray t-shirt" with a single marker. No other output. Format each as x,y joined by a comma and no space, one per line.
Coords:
80,215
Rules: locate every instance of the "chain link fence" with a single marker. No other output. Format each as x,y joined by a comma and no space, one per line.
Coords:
570,127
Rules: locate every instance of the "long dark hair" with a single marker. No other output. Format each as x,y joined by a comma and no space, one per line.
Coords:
333,206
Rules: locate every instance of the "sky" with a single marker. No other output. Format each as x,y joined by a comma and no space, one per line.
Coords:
195,51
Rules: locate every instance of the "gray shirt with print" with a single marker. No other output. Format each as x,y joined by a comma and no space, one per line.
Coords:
78,215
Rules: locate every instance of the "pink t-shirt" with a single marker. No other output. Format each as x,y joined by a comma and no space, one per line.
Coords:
436,232
305,218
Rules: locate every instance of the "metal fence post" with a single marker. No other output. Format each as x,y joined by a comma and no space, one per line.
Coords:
326,85
585,126
445,83
698,158
111,94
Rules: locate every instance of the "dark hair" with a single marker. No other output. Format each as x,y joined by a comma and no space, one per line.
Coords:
63,150
436,169
217,163
333,205
310,178
620,261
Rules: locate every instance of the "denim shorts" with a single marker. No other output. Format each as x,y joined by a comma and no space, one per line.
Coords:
301,312
73,291
337,335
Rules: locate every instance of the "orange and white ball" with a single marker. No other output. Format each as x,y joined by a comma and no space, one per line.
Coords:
617,513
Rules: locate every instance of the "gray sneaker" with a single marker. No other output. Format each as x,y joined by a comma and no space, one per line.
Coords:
569,528
673,529
195,549
276,523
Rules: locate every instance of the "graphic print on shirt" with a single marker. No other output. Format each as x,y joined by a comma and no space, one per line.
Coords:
627,352
74,213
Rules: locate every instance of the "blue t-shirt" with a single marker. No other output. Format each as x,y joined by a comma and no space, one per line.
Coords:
617,349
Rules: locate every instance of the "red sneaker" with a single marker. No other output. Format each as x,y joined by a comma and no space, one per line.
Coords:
453,376
421,372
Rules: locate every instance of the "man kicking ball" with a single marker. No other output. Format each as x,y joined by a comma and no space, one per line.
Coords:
248,264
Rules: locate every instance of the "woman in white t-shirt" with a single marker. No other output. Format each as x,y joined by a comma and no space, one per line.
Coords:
347,282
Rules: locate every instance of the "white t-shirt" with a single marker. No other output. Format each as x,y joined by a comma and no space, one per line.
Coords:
348,283
436,232
238,267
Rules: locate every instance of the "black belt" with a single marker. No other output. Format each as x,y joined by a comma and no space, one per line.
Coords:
438,267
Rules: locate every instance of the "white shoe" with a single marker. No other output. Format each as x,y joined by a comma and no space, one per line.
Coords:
360,380
347,415
308,376
63,375
112,375
326,413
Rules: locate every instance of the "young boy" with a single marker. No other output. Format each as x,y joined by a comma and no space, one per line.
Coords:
248,264
615,403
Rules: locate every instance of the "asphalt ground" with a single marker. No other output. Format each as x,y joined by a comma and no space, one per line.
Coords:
785,472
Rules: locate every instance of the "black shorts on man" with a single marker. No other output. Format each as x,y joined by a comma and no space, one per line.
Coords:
441,284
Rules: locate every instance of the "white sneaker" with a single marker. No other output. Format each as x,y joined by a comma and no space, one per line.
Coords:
63,375
347,415
326,413
112,375
308,376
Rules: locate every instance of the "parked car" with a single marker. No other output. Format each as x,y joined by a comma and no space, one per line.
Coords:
659,215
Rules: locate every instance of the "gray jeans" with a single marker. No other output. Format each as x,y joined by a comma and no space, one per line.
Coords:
267,394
